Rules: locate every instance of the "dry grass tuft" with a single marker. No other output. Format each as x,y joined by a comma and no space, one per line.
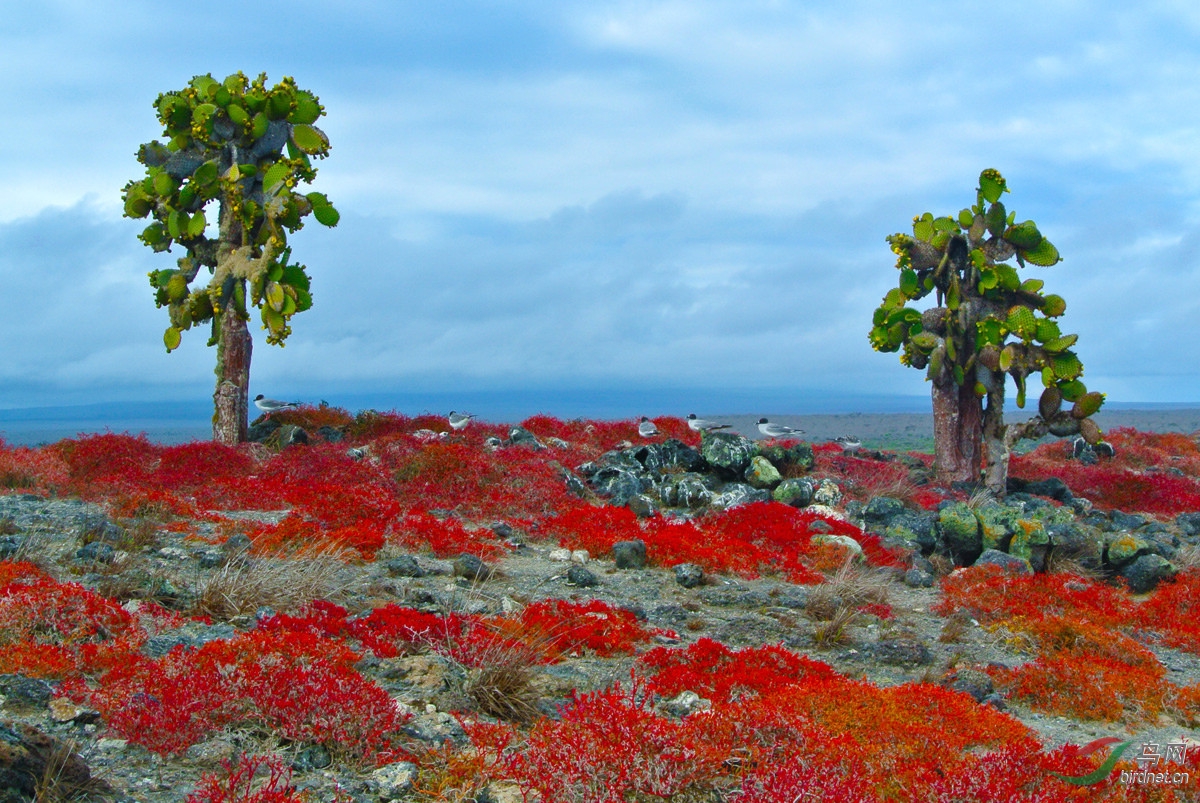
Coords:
851,586
957,626
835,632
1187,557
1058,562
943,565
503,685
282,583
65,777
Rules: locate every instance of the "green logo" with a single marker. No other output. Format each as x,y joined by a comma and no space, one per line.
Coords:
1104,770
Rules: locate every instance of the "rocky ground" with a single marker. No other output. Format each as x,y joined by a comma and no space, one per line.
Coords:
914,645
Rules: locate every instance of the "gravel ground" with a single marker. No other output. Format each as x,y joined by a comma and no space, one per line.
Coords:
915,645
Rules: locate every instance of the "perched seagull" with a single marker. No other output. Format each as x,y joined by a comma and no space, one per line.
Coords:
776,430
646,428
459,420
703,424
269,406
849,444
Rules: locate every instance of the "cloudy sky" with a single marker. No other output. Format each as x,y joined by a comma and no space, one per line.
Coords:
662,205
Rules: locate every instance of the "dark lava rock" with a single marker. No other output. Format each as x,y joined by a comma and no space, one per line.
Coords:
581,576
96,552
689,575
882,509
901,652
404,566
974,682
27,755
24,693
629,554
918,578
728,454
642,506
471,568
795,492
1010,563
1147,572
1051,487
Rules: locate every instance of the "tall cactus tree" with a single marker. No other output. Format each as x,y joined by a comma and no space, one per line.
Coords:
987,324
226,142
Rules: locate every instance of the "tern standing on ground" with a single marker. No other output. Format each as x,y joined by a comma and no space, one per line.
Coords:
776,430
703,424
458,420
646,428
269,406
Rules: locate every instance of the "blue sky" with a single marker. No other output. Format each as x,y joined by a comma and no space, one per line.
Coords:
677,205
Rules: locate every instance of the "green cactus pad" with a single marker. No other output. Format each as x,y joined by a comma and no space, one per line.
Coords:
1072,390
992,185
1090,431
1087,405
1024,236
1021,321
1066,365
1050,402
1045,254
1060,344
309,139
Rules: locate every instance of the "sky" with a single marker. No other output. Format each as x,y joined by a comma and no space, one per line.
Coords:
620,208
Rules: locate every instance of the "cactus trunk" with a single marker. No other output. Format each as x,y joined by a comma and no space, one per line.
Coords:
957,428
231,398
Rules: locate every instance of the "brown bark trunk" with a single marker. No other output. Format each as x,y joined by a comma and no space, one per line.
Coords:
957,432
995,443
231,398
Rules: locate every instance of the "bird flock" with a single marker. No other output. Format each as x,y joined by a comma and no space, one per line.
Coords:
646,428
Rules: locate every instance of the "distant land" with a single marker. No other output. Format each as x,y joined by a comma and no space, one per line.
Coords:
900,423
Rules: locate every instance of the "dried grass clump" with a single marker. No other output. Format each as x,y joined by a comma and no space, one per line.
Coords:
282,583
503,685
835,632
851,586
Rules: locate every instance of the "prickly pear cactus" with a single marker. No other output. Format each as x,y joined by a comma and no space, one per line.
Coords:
987,322
248,147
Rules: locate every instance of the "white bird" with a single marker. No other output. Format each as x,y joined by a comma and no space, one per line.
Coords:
646,428
703,424
269,406
849,444
459,420
776,430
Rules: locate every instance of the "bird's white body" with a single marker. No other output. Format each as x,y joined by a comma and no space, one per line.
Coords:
703,424
776,430
646,428
459,420
273,405
849,444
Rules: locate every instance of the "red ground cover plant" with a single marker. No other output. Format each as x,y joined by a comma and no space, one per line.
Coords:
99,465
1172,613
562,627
238,784
605,747
296,685
1086,665
53,630
720,674
40,470
991,595
444,538
1138,478
549,628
